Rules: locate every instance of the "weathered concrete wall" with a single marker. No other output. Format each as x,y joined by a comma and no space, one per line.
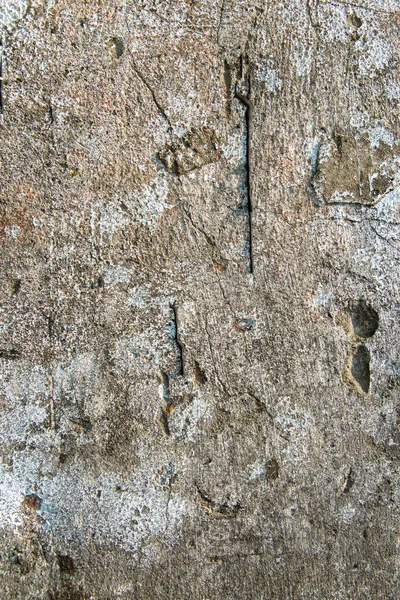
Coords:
199,219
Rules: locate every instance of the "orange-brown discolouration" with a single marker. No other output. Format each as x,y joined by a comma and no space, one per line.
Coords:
31,503
17,211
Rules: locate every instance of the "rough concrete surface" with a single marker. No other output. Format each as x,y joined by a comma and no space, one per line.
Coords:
199,223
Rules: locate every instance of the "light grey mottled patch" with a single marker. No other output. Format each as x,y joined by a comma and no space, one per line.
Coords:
323,297
149,202
393,91
185,421
114,274
268,74
256,469
129,512
303,58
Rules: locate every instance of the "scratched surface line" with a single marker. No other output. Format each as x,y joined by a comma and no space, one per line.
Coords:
361,6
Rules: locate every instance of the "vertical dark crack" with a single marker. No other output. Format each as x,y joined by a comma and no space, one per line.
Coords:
221,15
164,422
165,388
245,99
228,86
1,79
51,114
176,339
349,481
166,399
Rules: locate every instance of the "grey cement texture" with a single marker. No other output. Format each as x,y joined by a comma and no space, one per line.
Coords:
199,223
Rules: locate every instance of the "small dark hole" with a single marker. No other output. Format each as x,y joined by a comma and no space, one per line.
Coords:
272,469
339,142
364,318
16,286
65,563
199,374
14,557
118,46
355,20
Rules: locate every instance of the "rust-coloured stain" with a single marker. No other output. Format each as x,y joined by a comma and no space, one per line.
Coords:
17,213
31,503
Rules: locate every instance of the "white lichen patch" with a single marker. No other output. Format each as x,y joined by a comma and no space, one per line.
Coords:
388,209
380,257
112,218
144,205
24,383
374,53
144,296
11,12
78,378
393,91
232,149
322,297
347,513
334,22
299,427
358,118
185,421
268,75
11,494
149,202
317,150
256,469
128,512
376,132
16,423
303,59
13,232
380,134
381,424
142,352
273,83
